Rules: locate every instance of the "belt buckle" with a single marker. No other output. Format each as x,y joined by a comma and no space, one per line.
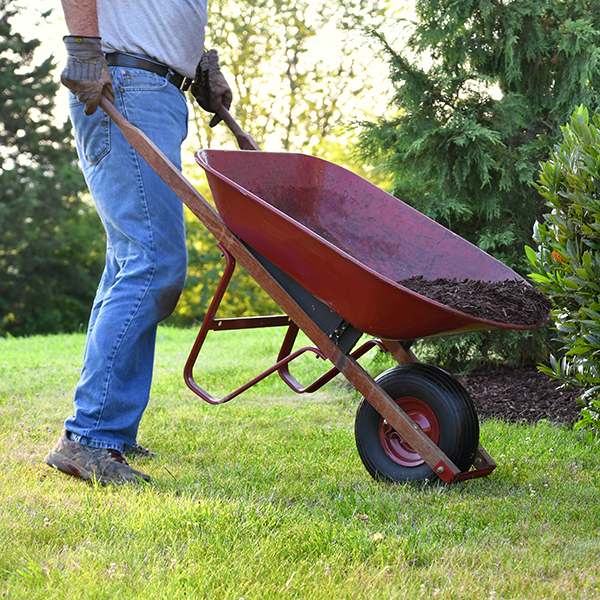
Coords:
184,84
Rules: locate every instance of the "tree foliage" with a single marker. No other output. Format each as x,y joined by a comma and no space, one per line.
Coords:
481,91
288,98
243,298
51,244
481,94
286,94
51,249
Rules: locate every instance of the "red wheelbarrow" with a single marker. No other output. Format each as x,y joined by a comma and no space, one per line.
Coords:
330,248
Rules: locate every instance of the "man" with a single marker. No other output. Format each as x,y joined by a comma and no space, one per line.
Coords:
141,55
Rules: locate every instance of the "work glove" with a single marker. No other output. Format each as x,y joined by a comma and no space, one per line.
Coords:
209,86
86,73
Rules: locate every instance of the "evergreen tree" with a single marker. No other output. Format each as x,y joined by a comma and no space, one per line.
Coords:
51,248
481,92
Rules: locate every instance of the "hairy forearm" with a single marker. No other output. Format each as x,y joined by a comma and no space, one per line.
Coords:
81,17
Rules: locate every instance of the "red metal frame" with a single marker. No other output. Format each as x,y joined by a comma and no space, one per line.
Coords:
286,356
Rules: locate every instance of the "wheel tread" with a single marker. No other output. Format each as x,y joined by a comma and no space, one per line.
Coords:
459,440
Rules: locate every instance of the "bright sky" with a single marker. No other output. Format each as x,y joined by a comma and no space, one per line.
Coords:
50,32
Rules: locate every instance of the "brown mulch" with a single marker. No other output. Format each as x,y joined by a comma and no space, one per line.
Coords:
517,395
498,391
511,301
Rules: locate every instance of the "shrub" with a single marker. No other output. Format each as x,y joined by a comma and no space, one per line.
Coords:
567,261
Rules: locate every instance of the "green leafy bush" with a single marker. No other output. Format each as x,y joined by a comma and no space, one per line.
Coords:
567,261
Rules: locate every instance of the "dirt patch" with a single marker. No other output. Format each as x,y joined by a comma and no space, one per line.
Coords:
520,395
513,302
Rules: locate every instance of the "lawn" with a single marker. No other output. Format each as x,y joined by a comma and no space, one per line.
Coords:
266,497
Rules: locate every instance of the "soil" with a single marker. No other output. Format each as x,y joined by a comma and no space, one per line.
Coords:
513,302
517,395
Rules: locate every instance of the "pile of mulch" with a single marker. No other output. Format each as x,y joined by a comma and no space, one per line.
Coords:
514,395
512,301
517,395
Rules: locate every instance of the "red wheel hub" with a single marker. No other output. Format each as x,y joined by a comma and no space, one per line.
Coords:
394,446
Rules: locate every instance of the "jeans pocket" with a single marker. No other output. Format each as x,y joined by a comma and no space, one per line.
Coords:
92,132
137,80
142,92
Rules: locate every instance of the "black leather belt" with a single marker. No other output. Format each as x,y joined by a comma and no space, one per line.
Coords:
118,59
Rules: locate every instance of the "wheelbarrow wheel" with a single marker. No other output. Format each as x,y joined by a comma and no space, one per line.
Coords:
441,407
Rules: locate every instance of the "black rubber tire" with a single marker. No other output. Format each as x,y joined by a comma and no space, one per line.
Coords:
447,399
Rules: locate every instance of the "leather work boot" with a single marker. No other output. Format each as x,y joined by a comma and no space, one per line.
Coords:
92,464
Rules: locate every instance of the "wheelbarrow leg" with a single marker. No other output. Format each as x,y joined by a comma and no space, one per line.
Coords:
484,464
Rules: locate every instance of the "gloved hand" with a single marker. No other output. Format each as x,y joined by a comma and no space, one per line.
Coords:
209,87
86,73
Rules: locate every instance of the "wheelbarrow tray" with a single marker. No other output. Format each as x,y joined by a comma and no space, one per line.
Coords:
347,241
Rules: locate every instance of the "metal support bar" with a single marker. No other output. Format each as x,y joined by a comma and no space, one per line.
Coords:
401,352
286,348
286,354
251,322
483,465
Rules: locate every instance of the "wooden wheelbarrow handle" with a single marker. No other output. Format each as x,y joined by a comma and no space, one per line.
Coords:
244,140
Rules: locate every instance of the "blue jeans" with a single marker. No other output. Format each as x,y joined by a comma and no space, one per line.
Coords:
146,257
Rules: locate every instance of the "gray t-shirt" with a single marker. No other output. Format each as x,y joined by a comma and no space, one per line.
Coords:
169,31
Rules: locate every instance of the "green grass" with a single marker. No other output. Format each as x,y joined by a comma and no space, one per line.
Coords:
266,497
